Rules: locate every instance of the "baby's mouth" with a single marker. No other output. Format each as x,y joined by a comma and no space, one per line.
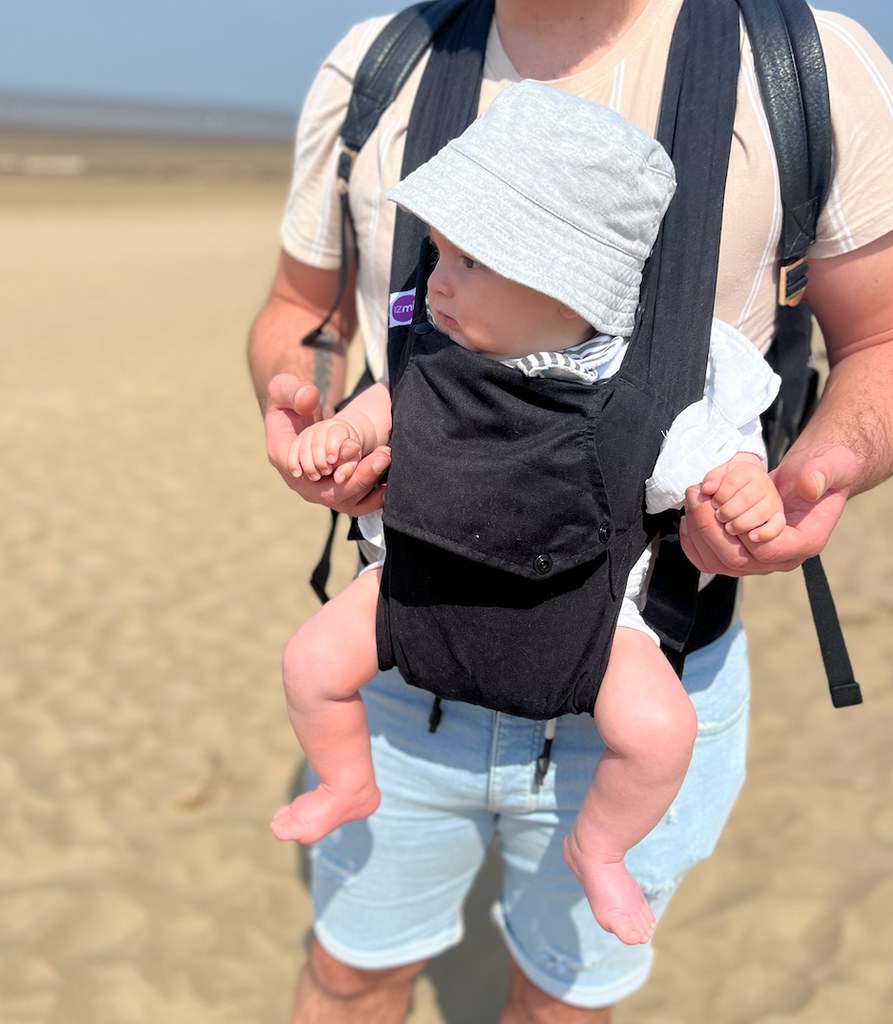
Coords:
445,320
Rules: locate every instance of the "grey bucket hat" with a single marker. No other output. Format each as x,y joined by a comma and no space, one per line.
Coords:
555,192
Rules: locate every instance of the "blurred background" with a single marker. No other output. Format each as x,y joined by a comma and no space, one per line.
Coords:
152,565
227,59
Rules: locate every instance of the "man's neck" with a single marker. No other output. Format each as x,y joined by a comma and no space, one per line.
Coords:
554,39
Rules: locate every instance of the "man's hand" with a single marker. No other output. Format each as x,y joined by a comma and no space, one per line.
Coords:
813,485
291,405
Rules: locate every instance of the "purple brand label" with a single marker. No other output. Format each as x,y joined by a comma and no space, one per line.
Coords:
401,308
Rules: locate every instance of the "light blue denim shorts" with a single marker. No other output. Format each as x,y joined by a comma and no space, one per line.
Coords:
390,890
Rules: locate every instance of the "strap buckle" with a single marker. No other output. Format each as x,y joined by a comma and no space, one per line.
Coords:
345,166
792,281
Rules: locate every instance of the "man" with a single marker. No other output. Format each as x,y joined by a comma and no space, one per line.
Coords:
388,894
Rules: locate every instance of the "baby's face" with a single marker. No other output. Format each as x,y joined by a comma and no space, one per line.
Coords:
487,313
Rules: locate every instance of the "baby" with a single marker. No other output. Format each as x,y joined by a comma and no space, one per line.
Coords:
642,712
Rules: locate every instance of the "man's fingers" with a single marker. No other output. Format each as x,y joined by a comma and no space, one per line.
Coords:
305,401
286,391
369,471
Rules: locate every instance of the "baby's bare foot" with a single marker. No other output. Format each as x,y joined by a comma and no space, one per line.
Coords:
617,901
313,815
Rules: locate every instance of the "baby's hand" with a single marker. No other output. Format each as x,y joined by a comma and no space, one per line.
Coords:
745,499
330,447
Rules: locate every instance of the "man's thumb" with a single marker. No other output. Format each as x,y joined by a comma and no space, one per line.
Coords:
835,469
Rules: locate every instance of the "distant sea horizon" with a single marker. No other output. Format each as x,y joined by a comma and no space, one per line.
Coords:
99,114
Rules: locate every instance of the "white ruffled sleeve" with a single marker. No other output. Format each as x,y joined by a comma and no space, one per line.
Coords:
372,528
739,386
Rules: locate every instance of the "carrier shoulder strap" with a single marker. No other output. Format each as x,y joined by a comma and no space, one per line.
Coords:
382,72
793,83
794,86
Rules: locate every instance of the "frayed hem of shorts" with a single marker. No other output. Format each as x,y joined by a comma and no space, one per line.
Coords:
383,959
583,997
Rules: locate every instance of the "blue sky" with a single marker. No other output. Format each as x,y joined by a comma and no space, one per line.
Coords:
252,53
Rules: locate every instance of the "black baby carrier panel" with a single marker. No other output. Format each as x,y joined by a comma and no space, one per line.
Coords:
504,573
506,560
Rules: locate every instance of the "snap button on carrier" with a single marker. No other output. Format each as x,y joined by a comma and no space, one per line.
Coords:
542,564
604,533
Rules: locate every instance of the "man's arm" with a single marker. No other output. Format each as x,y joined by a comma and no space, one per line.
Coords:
297,384
299,299
853,302
847,446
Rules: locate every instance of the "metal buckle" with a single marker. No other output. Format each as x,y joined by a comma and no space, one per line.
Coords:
345,166
792,281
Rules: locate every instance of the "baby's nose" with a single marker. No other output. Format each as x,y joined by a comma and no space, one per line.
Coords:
438,280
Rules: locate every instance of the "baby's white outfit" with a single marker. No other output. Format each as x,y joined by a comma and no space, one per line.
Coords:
739,385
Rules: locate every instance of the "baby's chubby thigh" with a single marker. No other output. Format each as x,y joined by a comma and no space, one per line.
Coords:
334,652
642,711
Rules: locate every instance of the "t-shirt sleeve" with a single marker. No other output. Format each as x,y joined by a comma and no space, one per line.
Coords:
310,229
859,208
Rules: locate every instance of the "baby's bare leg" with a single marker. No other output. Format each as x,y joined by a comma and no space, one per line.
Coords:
324,665
648,724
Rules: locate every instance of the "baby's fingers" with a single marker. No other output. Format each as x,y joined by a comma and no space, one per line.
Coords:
740,519
711,482
294,458
339,445
770,529
349,451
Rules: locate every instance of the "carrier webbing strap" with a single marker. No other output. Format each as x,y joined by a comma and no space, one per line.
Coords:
845,691
387,65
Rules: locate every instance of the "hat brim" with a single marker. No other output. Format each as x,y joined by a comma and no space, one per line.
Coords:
484,216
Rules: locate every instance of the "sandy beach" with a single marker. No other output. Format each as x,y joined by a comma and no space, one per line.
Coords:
152,566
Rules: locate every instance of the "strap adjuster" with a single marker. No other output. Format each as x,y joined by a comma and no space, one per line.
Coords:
792,281
345,166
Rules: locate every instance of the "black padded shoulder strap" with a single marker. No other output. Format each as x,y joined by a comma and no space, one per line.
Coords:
446,103
388,63
794,85
382,72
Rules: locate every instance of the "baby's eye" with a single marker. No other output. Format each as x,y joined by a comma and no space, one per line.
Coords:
469,262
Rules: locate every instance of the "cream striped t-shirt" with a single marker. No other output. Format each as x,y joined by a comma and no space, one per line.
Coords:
628,79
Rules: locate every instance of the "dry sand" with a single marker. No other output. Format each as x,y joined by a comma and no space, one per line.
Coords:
152,565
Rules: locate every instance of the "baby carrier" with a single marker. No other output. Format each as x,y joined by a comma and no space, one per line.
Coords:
500,602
